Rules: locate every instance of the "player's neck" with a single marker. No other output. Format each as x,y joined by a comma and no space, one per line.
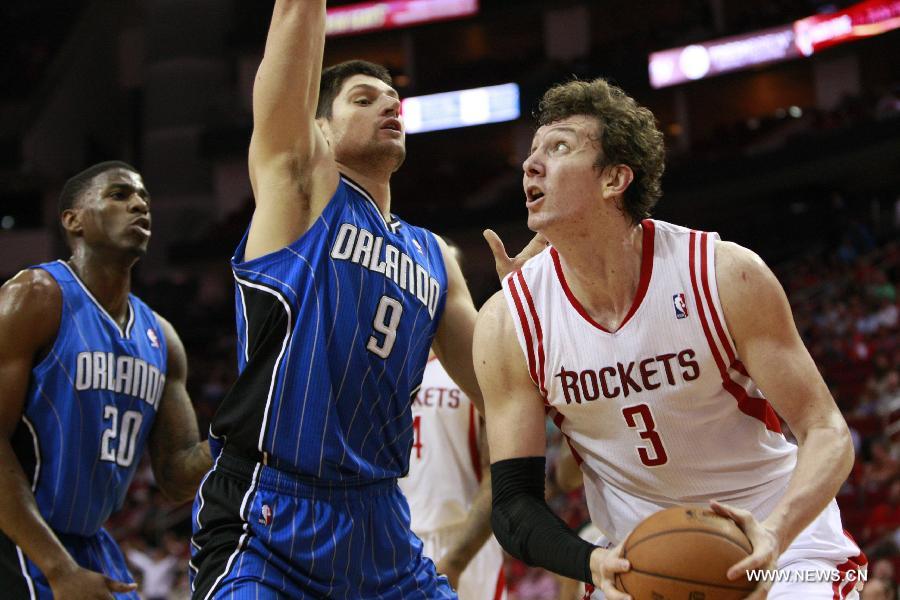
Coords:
108,280
603,269
376,183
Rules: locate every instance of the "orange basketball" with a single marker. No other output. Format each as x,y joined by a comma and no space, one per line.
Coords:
684,552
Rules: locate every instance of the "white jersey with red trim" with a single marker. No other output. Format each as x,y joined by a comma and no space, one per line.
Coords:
445,466
660,412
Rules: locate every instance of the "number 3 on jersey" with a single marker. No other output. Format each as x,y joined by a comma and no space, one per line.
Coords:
387,319
647,432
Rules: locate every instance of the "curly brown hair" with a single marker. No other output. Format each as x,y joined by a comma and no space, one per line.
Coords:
628,135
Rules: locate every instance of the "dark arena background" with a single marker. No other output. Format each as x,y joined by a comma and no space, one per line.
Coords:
782,124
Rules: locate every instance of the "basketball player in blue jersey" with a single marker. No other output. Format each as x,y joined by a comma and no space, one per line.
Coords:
89,377
338,302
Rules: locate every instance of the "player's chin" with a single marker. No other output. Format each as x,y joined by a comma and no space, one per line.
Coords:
394,150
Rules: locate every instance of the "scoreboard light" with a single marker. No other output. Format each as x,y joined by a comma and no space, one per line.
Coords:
463,108
373,16
794,40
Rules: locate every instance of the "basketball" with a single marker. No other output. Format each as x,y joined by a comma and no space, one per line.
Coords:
684,552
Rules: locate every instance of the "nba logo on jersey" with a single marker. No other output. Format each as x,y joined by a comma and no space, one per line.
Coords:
151,335
680,305
266,518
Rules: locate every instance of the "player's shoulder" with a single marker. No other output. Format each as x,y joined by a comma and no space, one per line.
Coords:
30,291
738,265
493,317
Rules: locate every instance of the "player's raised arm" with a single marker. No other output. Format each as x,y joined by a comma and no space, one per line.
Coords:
523,523
291,181
178,457
30,309
759,318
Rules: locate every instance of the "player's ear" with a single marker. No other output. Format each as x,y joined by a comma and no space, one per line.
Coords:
616,179
71,221
325,127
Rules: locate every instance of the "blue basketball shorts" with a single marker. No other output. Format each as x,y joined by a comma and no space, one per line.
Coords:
264,533
20,578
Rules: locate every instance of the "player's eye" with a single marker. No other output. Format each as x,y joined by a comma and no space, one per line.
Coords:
560,146
363,101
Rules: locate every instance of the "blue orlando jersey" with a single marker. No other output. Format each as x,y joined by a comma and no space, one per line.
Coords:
333,333
90,406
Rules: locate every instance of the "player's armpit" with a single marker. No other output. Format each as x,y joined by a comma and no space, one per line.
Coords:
292,171
178,458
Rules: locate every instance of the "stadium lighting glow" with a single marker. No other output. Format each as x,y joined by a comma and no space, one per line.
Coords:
464,108
372,16
794,40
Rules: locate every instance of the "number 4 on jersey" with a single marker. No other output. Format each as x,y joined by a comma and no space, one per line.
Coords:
387,319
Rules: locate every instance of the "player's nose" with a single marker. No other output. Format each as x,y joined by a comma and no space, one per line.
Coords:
533,165
138,204
391,107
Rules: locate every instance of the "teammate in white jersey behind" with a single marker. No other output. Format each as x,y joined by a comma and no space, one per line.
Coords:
660,352
449,487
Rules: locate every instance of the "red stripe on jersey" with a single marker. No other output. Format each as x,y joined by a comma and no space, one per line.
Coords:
526,330
649,234
501,584
842,588
754,407
473,443
758,408
537,329
713,312
558,420
588,590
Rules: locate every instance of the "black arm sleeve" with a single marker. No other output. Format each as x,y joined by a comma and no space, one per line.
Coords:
527,528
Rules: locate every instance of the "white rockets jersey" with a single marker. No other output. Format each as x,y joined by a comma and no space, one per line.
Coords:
660,412
445,466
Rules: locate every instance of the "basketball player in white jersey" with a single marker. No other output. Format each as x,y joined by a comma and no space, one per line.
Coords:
449,487
664,355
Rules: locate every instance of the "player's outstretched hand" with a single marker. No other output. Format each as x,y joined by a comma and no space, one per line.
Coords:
506,265
82,584
604,566
763,540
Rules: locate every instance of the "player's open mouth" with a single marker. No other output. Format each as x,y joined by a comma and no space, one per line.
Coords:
533,194
392,125
143,225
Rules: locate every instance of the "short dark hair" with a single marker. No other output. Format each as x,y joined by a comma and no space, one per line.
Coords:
333,79
78,184
628,135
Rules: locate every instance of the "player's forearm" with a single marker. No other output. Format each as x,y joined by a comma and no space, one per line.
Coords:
21,520
527,528
179,473
475,530
824,460
286,89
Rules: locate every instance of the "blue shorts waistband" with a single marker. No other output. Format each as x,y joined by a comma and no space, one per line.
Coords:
295,484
